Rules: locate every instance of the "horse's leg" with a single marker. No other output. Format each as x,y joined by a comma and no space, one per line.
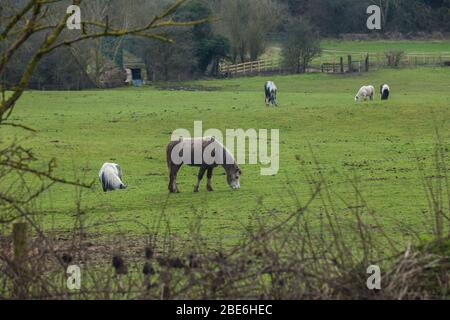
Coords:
209,176
173,188
171,182
170,187
201,173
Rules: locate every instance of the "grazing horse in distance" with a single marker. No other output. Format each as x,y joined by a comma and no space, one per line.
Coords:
270,90
213,154
364,93
110,176
385,92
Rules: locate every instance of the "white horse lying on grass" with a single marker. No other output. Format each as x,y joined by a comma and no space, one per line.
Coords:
364,93
111,177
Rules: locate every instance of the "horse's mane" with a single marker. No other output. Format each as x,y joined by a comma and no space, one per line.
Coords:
226,152
205,142
110,178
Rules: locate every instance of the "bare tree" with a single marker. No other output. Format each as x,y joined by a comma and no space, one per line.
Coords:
246,24
386,6
89,54
31,18
301,45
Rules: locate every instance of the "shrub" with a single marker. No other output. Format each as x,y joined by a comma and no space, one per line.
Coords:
300,46
394,58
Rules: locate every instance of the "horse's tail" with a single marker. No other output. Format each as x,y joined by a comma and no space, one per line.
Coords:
104,182
169,154
169,151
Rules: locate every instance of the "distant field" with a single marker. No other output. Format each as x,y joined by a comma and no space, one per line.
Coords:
342,48
434,47
374,141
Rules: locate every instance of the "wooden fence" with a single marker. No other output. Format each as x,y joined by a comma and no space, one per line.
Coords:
380,60
334,62
252,67
350,65
275,65
413,59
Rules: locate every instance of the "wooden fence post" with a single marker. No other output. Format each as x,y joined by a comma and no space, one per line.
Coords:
341,62
367,63
20,247
350,68
20,242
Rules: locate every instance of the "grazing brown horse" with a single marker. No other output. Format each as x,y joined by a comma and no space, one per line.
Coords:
207,154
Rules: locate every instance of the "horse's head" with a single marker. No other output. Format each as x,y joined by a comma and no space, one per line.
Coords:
233,175
272,98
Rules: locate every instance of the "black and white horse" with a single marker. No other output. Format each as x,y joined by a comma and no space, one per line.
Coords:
110,176
270,90
385,91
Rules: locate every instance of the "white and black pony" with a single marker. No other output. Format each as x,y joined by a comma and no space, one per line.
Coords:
270,90
385,92
110,176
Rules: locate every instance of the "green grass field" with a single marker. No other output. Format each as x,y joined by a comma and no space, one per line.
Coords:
374,140
432,47
333,49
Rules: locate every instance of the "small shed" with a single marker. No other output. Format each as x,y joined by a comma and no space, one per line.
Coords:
136,69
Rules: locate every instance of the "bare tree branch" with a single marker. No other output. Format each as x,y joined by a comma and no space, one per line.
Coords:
50,43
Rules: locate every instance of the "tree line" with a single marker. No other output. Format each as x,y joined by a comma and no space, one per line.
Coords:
239,31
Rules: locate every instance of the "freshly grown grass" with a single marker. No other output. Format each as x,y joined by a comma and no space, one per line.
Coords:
317,117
